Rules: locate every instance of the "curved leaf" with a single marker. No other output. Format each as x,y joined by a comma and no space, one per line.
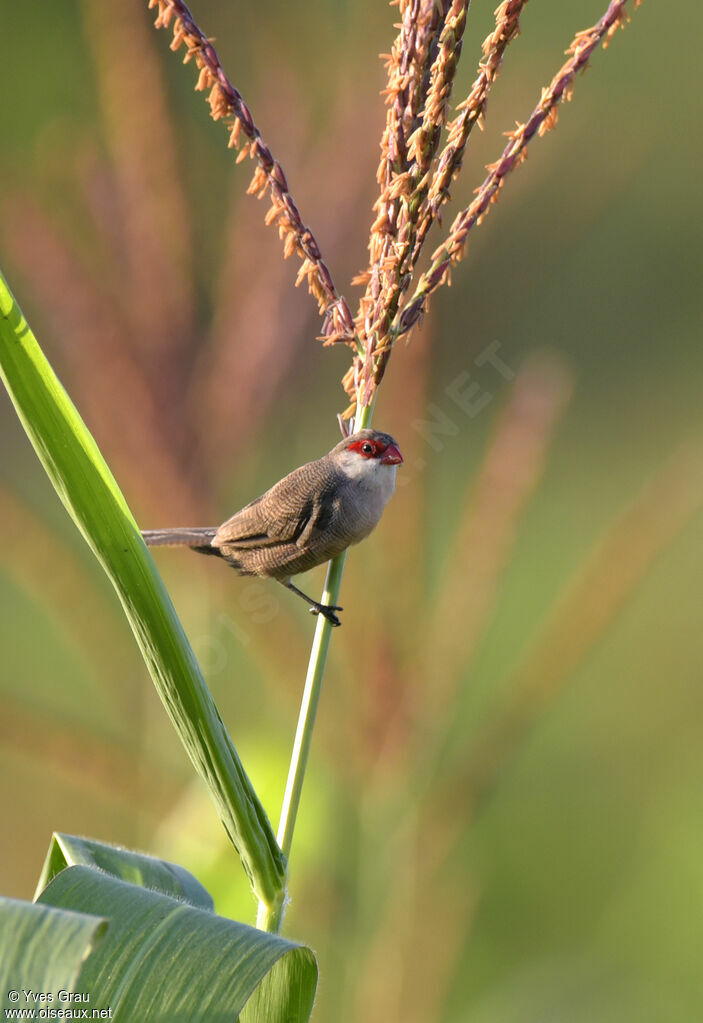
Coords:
163,960
137,868
42,952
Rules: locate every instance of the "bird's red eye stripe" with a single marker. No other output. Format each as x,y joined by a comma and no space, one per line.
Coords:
367,448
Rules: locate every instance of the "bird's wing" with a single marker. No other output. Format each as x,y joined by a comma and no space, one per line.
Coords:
287,513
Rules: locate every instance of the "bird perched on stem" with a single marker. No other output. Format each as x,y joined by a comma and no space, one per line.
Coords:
310,516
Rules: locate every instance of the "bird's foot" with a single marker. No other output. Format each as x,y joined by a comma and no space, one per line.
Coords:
328,611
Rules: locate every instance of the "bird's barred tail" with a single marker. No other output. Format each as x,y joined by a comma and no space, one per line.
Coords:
197,538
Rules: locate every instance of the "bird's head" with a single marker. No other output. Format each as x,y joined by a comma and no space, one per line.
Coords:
368,454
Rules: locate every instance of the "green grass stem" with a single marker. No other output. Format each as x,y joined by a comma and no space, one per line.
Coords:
272,920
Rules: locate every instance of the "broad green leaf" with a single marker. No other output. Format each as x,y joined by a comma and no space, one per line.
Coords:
163,960
88,490
42,952
137,868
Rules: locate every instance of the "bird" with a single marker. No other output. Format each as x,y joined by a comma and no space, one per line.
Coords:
310,516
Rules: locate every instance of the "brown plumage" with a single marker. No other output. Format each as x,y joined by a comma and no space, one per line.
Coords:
310,516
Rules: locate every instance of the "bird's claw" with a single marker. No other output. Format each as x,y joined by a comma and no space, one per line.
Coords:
328,611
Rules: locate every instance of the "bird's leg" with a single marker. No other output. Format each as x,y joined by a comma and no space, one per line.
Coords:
316,607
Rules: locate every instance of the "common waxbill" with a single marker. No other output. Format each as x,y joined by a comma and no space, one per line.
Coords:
311,515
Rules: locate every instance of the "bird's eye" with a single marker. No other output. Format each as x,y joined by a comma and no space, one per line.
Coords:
367,448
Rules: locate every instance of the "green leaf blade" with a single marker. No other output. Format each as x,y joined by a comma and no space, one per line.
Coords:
89,491
126,865
166,960
43,949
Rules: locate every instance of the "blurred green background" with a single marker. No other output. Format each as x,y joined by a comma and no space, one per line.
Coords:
503,818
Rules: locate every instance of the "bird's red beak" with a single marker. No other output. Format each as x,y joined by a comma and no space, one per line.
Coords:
391,456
